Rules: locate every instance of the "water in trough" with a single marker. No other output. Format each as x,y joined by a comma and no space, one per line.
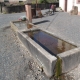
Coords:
50,43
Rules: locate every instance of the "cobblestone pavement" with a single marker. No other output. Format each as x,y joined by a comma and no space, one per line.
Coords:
16,62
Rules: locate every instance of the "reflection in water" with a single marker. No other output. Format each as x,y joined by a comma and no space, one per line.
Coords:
50,43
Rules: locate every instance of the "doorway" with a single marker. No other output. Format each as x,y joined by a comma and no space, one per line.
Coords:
65,5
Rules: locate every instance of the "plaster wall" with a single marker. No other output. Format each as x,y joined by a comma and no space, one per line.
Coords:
61,4
73,3
70,3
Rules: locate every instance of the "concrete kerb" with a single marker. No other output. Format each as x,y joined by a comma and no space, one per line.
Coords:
13,26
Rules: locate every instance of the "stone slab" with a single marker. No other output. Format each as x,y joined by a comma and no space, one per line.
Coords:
70,59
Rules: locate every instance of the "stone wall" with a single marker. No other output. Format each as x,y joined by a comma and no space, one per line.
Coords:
20,7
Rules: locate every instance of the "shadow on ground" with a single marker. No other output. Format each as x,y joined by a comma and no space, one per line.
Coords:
44,21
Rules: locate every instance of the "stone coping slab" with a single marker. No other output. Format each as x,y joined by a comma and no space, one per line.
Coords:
20,25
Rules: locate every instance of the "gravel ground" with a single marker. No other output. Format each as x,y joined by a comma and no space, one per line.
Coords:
74,74
16,63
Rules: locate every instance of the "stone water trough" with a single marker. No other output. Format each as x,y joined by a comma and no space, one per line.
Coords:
47,49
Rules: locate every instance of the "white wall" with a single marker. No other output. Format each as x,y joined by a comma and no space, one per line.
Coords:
61,4
77,4
70,3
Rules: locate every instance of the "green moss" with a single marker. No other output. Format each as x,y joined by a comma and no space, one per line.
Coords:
58,68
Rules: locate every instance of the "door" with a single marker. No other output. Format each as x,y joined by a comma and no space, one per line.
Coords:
65,5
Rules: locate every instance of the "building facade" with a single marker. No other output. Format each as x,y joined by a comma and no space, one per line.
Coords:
67,5
12,1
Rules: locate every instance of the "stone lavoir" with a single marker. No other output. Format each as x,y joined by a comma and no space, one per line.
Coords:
52,53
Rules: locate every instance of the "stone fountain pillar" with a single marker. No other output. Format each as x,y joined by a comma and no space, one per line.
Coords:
28,10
